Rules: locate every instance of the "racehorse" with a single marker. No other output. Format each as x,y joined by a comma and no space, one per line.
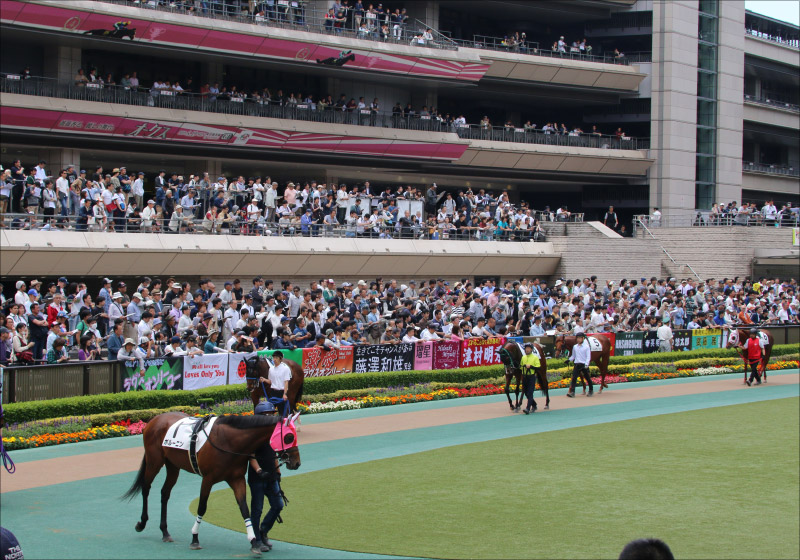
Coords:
510,356
737,337
600,357
230,444
337,61
258,367
113,33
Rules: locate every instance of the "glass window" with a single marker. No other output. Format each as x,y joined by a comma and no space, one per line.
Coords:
704,195
706,138
707,85
708,29
708,6
707,57
706,113
704,170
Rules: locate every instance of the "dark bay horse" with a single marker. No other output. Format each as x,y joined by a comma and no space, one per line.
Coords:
737,338
511,356
258,367
600,358
224,457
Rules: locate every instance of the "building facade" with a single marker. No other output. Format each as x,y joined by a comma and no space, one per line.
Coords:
692,102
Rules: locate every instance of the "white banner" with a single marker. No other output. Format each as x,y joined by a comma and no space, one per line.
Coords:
236,368
205,371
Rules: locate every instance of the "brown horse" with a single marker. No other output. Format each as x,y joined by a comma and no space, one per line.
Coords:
224,457
737,337
258,367
600,358
511,356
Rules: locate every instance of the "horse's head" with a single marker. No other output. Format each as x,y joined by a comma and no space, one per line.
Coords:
733,338
284,442
253,372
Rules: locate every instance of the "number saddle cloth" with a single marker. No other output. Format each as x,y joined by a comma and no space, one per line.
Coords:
190,434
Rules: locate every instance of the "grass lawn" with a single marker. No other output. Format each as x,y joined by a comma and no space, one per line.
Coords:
716,483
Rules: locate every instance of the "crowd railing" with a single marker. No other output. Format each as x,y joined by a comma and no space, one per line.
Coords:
770,102
786,42
524,46
704,218
196,224
233,104
550,217
770,168
295,15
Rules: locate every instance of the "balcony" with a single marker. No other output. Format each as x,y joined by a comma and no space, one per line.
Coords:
773,103
791,41
784,170
310,113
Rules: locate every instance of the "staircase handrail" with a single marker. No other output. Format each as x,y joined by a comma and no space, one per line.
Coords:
641,223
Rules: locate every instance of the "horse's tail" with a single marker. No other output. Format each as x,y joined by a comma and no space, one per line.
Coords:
299,397
138,484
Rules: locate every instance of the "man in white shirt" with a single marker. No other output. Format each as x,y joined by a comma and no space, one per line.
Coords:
279,377
62,188
410,336
664,335
148,215
430,333
581,357
137,189
40,175
770,212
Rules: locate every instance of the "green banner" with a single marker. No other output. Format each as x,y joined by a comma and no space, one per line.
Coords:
704,339
294,355
159,373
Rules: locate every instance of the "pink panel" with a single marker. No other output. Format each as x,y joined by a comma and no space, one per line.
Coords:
435,68
291,50
207,134
449,152
169,34
416,150
312,141
472,71
28,118
93,124
37,15
147,129
365,146
262,138
9,10
237,42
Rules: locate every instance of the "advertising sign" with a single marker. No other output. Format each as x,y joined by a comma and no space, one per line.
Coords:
681,340
446,354
629,343
704,339
319,363
423,355
203,371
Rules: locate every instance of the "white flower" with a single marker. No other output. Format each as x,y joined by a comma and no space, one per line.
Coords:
332,406
712,370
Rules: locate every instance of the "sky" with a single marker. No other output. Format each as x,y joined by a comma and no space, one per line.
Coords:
784,10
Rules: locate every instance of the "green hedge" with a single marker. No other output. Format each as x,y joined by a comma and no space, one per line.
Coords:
159,400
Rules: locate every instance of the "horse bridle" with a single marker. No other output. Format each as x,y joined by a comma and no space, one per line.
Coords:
283,456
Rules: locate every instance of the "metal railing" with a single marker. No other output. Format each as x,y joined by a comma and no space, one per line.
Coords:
552,217
296,15
639,221
52,381
258,106
794,107
532,48
770,168
238,224
705,218
786,42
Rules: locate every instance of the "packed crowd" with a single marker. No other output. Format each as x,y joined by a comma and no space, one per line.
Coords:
40,323
748,214
115,201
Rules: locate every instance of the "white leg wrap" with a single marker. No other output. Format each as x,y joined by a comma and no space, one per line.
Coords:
248,525
196,526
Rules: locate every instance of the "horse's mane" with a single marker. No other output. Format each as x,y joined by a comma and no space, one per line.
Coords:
247,422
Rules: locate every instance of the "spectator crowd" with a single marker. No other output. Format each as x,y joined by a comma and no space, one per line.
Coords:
63,320
115,201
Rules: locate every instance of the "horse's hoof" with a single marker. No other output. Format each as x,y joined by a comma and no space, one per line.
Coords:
195,546
547,407
168,538
139,527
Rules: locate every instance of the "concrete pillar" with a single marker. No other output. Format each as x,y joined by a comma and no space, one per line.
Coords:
730,102
59,158
213,166
212,71
62,63
674,106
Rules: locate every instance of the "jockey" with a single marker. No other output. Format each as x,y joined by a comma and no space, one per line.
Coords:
264,479
754,348
530,364
121,25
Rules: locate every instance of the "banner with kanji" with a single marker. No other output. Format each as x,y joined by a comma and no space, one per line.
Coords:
159,373
319,363
446,354
383,357
629,343
650,342
706,339
423,355
480,351
681,340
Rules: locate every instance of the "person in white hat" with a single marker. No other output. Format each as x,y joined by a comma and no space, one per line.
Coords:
116,309
130,351
148,215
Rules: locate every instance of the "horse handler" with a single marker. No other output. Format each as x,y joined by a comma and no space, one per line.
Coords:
581,358
754,349
530,364
278,382
264,479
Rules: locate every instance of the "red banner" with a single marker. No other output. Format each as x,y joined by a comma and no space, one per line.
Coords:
481,352
612,338
446,354
319,363
423,355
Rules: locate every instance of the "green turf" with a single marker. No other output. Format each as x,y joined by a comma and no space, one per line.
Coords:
717,483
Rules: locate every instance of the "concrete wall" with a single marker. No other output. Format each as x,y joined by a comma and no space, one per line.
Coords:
41,253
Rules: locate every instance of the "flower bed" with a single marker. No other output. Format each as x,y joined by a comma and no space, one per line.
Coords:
43,440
